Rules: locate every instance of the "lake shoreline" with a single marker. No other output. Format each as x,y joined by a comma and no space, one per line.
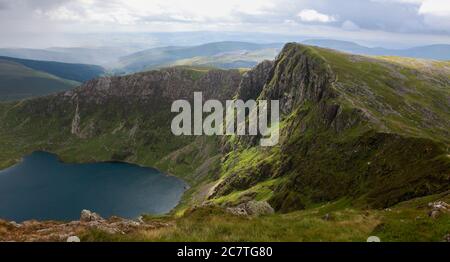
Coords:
110,174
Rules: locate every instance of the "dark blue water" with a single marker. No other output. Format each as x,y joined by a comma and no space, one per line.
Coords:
43,188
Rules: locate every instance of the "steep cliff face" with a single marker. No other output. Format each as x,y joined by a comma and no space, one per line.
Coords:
349,129
253,81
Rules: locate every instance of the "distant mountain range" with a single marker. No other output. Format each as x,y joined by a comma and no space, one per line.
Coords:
219,54
80,55
436,52
33,78
18,82
225,55
229,54
75,72
23,78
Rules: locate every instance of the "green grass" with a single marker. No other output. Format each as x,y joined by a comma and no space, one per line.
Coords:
19,82
407,221
406,96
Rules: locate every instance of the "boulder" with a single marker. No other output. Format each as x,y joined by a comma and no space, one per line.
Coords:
437,208
88,216
439,205
434,214
447,238
327,217
73,239
252,208
373,239
237,211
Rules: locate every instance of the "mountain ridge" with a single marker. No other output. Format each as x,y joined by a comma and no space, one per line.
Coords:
166,56
19,82
328,140
75,72
435,51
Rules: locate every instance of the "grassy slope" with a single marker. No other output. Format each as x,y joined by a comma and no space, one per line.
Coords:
407,221
240,59
405,96
74,72
18,82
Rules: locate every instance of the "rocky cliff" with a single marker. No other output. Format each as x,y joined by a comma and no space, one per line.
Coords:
371,130
113,118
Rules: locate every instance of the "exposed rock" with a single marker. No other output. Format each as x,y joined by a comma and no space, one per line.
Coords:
373,239
439,205
252,208
73,239
88,216
447,238
44,231
109,229
76,130
327,217
237,211
15,224
434,214
157,86
437,208
253,81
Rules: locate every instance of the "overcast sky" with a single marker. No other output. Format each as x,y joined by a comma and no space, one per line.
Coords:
412,22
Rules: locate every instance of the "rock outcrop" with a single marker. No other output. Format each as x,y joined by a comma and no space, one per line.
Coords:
88,216
344,133
251,208
43,231
437,208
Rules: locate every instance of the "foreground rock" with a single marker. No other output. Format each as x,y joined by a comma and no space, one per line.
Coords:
88,216
52,231
437,208
252,208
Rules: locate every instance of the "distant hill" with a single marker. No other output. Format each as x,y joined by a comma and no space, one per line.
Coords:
231,60
75,72
218,53
81,55
18,82
436,52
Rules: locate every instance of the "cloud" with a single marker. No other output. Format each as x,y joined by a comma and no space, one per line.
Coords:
134,11
311,15
350,26
358,18
435,7
403,16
